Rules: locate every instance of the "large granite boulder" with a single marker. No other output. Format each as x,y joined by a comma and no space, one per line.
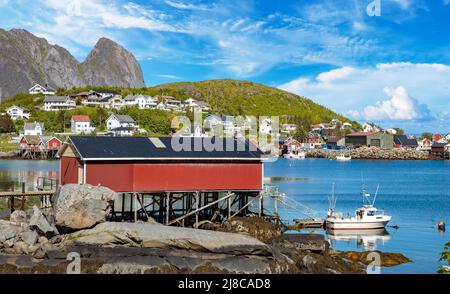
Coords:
81,206
158,236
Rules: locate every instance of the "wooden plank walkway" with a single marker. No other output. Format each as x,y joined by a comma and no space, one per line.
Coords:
27,194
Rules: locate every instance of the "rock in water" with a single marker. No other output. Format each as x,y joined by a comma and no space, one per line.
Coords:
81,206
39,222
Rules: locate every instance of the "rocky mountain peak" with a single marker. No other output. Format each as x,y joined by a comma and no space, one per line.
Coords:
26,59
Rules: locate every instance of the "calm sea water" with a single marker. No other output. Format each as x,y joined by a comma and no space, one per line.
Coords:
415,193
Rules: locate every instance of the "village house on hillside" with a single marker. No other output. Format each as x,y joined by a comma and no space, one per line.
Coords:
81,124
171,103
288,128
38,89
141,101
122,125
17,112
55,103
33,129
191,103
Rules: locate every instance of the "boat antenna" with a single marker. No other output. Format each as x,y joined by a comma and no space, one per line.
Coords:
376,193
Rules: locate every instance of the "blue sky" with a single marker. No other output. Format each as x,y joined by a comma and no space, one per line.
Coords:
393,69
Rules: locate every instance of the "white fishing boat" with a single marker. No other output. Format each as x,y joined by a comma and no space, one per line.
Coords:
295,155
366,217
343,157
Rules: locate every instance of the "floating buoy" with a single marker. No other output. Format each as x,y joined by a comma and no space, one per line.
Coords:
441,226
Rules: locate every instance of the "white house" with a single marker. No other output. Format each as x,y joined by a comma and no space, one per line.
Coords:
288,128
370,128
265,126
171,103
141,101
33,129
38,89
17,112
53,103
120,121
81,124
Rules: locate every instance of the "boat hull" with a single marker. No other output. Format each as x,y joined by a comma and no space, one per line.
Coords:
348,225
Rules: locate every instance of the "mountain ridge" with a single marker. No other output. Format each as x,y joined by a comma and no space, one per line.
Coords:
26,59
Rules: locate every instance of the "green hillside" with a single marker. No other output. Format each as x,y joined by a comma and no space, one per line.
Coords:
229,97
247,98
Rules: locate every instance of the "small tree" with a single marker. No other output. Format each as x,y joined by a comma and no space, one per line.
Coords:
6,124
427,135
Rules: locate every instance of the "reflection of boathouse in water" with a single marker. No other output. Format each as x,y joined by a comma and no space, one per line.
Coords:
365,239
154,179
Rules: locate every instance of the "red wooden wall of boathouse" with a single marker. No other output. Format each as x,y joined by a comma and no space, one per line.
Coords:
167,176
69,170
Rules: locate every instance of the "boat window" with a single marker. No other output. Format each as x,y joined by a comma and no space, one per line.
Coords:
371,213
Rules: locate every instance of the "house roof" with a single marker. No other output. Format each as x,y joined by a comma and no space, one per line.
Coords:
144,148
124,118
55,99
111,92
32,126
333,139
81,118
438,145
34,140
15,106
405,141
362,134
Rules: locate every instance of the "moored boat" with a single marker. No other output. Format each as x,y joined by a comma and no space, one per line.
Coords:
343,157
366,217
295,155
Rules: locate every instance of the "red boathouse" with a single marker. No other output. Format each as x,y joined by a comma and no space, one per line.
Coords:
155,167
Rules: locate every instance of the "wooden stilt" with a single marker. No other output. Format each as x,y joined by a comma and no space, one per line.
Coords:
260,212
167,208
229,207
197,204
135,206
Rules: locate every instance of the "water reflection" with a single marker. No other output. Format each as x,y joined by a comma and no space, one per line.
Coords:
364,239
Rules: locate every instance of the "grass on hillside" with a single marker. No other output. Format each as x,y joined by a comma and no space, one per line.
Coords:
6,145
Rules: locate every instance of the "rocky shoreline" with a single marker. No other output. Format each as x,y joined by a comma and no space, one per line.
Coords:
373,153
40,241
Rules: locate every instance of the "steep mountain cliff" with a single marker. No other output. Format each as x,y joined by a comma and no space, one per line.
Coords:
26,60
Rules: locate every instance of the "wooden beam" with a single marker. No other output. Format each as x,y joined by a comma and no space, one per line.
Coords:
200,208
243,207
167,208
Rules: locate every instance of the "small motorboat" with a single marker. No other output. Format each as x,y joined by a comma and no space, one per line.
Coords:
343,157
295,155
366,217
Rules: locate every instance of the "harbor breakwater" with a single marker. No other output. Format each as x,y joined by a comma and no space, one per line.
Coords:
373,153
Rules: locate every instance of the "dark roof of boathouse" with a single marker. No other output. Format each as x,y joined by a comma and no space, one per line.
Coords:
144,148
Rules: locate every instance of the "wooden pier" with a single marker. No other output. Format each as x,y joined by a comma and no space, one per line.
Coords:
45,188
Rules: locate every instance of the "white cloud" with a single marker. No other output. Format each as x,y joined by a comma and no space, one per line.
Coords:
404,4
335,74
400,106
172,77
180,5
350,89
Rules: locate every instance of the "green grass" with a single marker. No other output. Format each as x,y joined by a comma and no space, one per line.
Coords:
6,145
